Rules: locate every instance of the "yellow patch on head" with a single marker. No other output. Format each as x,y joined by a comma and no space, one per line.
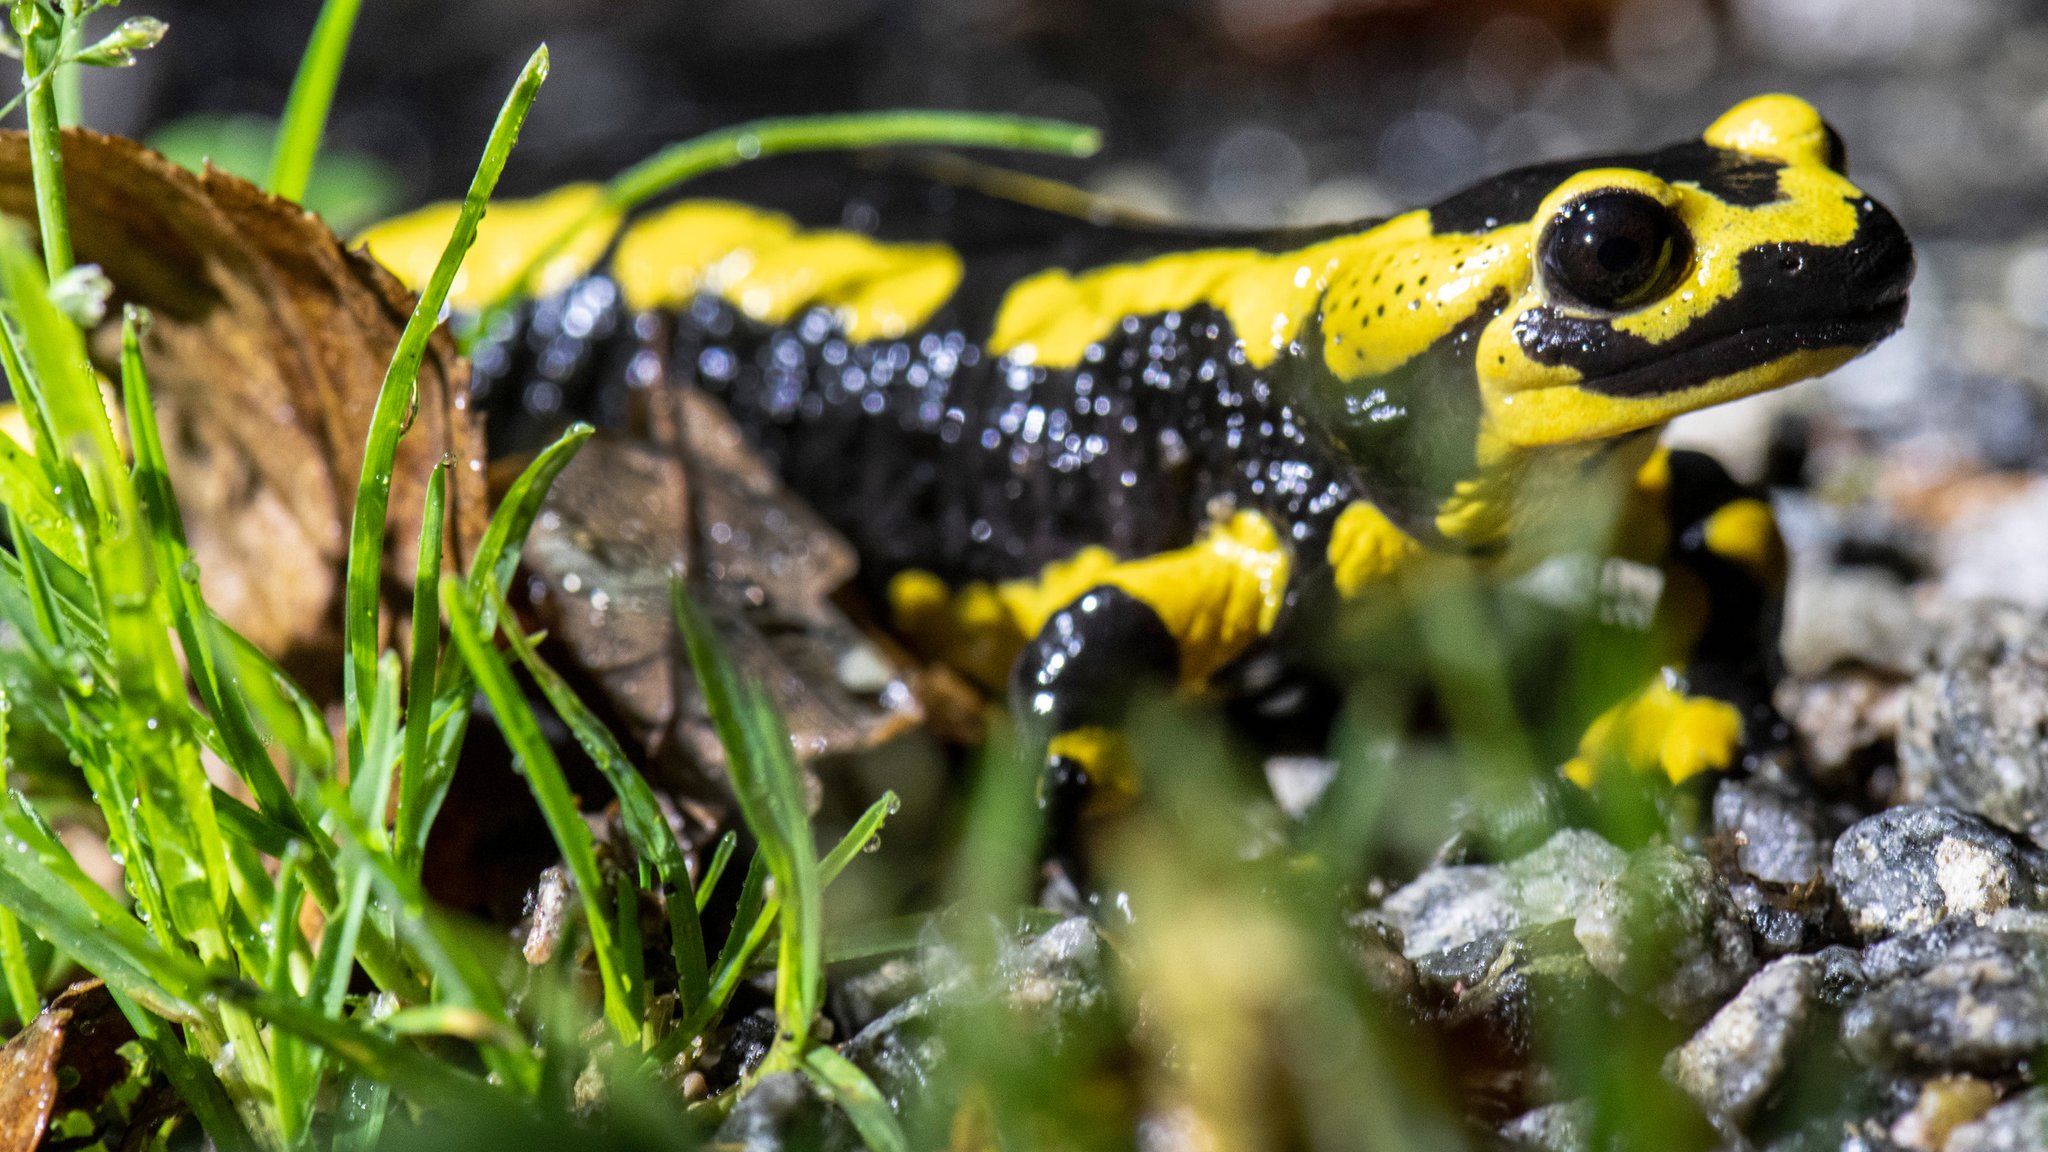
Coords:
1367,548
511,235
1532,404
766,266
1777,126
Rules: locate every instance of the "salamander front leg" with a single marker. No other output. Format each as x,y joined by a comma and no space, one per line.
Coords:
1071,688
1724,568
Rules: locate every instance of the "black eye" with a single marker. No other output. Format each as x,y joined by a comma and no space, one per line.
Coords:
1614,250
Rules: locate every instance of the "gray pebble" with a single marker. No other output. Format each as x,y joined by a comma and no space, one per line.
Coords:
1566,1126
1973,728
2020,1124
1778,833
1666,930
1836,617
1908,868
1447,907
1733,1063
1978,1005
783,1111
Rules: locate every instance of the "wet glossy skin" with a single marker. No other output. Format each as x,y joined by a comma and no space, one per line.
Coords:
1074,452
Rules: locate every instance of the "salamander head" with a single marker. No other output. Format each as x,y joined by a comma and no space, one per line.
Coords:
1673,281
1578,302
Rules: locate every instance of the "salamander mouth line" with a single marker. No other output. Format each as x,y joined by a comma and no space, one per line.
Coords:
1749,347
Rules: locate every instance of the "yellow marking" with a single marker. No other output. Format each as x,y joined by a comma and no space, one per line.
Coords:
1053,317
1781,127
1654,477
512,233
1746,533
979,628
696,246
1366,548
1408,288
1032,602
1105,753
1659,730
1215,596
1561,413
1570,496
766,266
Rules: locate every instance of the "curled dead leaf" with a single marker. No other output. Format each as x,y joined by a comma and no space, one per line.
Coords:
67,1059
268,347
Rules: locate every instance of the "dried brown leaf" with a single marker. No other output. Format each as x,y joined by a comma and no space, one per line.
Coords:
269,345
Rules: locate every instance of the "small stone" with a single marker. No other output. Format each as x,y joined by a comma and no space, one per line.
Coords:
1778,833
1733,1063
1666,930
1055,979
1980,1005
1849,617
1566,1126
1782,919
1844,720
1972,727
1842,977
783,1111
2017,1125
1448,907
1944,1104
1908,868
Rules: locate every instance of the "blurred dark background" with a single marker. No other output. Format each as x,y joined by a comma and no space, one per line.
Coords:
1250,110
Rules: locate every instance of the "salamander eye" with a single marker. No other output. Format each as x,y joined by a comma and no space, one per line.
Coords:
1614,250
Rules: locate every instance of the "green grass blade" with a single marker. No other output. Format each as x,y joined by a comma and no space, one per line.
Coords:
863,1103
462,971
715,870
305,110
742,142
417,1075
45,887
426,652
768,783
42,47
491,569
395,401
497,555
857,838
21,985
25,489
646,828
197,1087
551,790
241,745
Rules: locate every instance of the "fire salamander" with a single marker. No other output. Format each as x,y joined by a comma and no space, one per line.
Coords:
1078,452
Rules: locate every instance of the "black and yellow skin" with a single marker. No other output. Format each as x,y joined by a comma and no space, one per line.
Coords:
1078,454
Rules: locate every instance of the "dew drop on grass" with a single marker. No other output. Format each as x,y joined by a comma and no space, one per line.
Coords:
189,571
748,146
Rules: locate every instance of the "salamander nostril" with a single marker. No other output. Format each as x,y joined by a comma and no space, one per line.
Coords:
1792,263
